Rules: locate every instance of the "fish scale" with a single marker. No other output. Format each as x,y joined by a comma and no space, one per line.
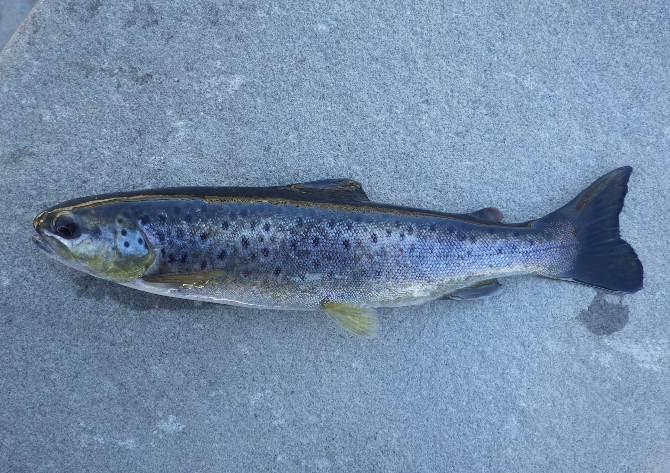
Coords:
370,260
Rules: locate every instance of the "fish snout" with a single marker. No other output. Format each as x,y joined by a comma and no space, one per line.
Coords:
38,221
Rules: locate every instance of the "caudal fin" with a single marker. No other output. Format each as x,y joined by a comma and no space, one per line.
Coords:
604,260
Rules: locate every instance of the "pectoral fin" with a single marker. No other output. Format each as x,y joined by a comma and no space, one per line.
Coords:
184,280
354,319
488,288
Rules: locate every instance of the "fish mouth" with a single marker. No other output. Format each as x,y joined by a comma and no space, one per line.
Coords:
42,244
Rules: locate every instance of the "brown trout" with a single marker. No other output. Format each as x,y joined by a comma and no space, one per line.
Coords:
324,245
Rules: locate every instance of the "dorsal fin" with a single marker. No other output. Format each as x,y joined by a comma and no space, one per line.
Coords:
342,190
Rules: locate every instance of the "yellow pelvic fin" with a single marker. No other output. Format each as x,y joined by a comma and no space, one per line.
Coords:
354,319
185,280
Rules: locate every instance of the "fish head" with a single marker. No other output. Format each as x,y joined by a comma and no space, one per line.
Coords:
99,241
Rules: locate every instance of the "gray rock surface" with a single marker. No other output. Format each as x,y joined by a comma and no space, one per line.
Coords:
12,13
445,105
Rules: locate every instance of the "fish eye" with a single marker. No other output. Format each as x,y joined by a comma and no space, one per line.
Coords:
65,227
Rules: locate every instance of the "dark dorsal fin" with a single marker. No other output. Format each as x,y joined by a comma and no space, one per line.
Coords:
341,190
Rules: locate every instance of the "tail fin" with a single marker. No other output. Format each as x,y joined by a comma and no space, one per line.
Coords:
604,259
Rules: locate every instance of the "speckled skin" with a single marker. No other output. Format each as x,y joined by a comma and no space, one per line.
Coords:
294,255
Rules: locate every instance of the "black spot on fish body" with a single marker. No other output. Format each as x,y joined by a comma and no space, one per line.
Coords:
222,254
225,225
126,244
252,225
266,227
410,230
204,236
388,232
277,271
140,241
402,236
331,224
171,258
265,252
124,232
245,242
373,237
346,244
349,226
119,220
317,264
461,236
499,251
162,251
602,317
315,241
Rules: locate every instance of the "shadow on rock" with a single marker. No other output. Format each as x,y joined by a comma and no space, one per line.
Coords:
602,317
98,289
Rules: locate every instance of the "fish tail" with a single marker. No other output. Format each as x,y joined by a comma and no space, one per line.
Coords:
603,259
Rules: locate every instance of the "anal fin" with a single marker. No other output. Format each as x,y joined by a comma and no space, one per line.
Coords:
356,320
487,288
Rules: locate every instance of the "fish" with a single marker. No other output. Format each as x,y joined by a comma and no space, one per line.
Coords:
325,246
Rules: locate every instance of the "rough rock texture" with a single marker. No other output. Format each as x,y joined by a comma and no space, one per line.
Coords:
446,105
12,13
